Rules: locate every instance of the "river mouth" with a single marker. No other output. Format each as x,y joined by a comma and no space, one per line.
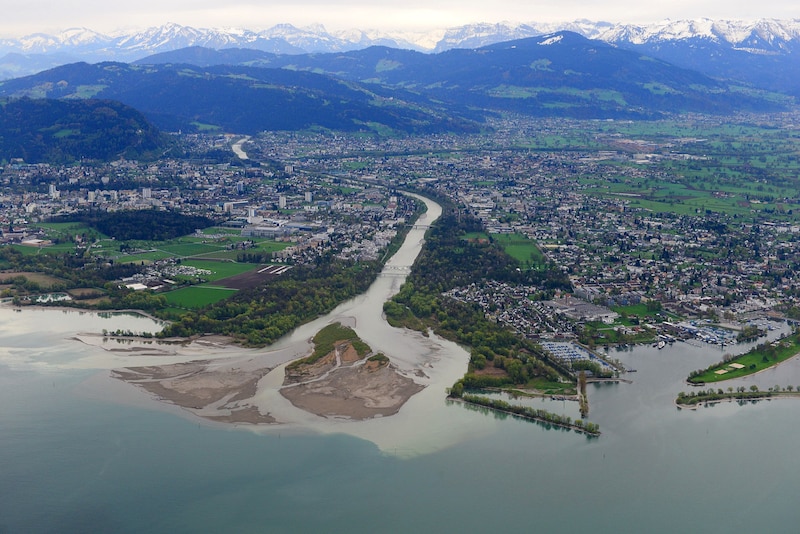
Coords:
223,383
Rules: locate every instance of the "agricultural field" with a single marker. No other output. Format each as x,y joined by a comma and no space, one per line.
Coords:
746,170
196,297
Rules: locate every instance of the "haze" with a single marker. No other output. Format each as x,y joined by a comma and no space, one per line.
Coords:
32,16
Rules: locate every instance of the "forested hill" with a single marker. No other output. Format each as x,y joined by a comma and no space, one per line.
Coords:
247,100
62,131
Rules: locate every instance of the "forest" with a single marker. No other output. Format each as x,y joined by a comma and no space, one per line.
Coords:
144,225
64,131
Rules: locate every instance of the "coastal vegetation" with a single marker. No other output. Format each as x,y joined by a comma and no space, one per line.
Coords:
695,398
456,254
28,274
579,425
756,359
259,315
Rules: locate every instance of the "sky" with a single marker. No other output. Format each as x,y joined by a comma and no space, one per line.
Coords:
24,17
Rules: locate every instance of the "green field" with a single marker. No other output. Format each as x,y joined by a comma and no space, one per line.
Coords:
218,245
522,249
66,230
185,250
654,313
145,257
29,251
219,230
196,297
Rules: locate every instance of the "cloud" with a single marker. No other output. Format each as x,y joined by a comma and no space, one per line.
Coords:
44,15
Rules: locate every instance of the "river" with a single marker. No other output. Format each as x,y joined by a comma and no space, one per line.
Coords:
82,453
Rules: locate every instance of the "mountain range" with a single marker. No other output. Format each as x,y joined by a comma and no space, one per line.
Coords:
761,36
202,80
705,38
382,89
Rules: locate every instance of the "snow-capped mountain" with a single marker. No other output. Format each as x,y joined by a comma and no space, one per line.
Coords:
684,42
764,36
484,34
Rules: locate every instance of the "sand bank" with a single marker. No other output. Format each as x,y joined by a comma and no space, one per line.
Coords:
224,387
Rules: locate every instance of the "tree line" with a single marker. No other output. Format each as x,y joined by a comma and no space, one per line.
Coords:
592,429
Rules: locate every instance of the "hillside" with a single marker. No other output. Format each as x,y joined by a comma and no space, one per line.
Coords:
244,99
561,74
390,91
59,131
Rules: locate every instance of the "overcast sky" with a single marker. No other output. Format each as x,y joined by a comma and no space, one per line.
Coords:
23,17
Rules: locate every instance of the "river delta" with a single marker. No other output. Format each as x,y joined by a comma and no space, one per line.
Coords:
84,452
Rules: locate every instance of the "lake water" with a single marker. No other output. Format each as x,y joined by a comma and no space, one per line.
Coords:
82,453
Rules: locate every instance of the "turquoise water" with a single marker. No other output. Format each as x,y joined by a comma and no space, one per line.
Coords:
71,461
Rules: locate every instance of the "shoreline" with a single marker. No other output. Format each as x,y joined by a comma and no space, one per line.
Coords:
424,366
9,304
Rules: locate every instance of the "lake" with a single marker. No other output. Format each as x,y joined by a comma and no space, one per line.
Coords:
74,459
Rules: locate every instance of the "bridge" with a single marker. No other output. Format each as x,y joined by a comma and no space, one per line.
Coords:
396,270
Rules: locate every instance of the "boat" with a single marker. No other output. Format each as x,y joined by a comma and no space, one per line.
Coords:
662,344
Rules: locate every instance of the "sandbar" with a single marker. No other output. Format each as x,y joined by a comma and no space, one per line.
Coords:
224,385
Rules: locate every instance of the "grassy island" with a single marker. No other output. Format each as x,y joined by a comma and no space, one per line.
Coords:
756,359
